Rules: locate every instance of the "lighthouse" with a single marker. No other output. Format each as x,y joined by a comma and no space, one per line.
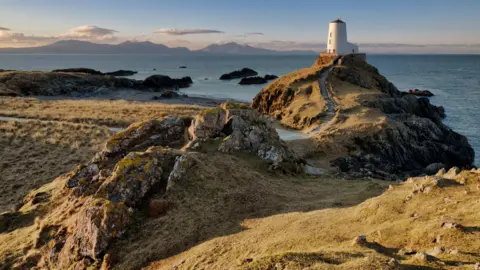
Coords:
337,39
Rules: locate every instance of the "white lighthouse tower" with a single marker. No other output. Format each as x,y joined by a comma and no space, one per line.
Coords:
337,39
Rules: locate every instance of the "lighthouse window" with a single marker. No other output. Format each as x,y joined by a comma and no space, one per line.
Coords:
330,34
329,41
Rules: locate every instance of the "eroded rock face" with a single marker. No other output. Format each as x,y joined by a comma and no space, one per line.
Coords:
133,165
137,173
169,132
97,224
208,124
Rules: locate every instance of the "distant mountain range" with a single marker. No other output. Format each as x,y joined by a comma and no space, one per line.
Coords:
146,47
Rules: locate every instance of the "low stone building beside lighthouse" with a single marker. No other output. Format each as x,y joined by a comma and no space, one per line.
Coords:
337,42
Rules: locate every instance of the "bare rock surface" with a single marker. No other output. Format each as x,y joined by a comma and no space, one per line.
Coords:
237,128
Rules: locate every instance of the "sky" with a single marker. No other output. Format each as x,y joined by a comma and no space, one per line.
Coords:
376,25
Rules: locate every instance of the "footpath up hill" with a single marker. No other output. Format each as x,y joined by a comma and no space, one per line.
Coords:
372,130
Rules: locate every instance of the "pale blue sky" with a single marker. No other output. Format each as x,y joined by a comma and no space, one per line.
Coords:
301,21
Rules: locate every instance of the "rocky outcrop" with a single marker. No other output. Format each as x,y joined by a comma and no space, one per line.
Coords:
121,73
52,83
168,95
138,167
377,131
78,84
89,71
252,80
245,72
237,128
162,82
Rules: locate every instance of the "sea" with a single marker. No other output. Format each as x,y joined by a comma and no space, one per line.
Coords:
454,79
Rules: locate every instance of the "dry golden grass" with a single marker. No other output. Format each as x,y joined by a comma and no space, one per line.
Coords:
115,113
234,214
34,153
408,216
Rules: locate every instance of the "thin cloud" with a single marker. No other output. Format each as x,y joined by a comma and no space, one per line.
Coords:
182,32
4,29
249,34
90,32
21,38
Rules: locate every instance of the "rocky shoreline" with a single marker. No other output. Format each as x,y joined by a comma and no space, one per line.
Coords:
377,131
20,83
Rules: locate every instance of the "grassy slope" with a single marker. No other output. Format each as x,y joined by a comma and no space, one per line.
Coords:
116,113
34,153
322,239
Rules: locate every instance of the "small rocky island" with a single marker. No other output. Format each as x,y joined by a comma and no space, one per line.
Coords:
238,74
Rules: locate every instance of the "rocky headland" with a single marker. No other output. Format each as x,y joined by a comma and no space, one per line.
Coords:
78,82
360,123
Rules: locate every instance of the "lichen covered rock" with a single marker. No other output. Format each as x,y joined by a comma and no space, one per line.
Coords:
242,130
137,173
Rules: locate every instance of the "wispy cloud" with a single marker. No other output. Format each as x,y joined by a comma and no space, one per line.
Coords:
90,32
20,39
182,32
249,34
86,32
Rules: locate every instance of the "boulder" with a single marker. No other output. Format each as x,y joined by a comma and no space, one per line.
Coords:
86,179
269,77
165,82
169,94
245,72
121,73
79,70
208,124
252,80
139,136
241,129
136,174
98,223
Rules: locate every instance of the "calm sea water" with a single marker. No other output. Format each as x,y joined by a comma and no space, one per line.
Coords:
454,79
